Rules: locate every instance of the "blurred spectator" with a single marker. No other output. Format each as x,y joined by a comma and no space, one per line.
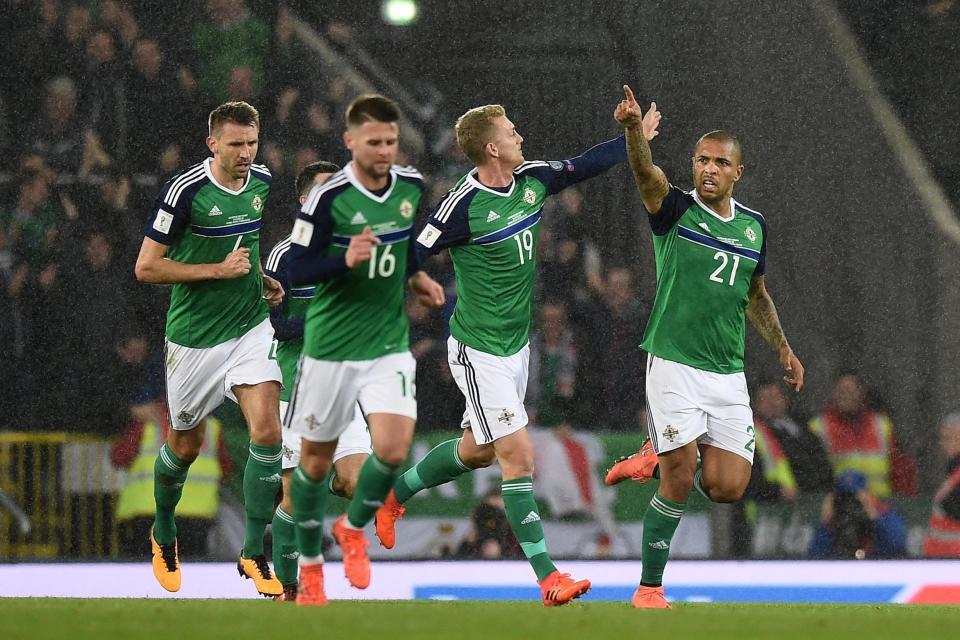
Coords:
57,134
71,43
136,450
855,523
490,537
153,82
943,533
789,455
553,368
93,364
857,438
229,36
118,18
610,329
30,225
571,264
104,95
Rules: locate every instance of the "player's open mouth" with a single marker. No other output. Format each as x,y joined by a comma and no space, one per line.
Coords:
709,184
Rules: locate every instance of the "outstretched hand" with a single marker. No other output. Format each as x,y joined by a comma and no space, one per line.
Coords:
791,364
629,114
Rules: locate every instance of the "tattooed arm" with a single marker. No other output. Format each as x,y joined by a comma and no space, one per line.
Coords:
763,316
650,179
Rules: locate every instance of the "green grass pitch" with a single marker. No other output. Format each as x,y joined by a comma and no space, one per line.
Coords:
76,619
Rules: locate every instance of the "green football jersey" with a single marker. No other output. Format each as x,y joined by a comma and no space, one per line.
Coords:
492,235
202,221
356,314
705,264
293,311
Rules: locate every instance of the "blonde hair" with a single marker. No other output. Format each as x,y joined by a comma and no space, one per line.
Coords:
475,129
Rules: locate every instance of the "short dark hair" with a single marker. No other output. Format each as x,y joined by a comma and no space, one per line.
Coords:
372,107
305,178
724,136
237,112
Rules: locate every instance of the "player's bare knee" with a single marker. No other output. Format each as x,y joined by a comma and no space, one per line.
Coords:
727,492
266,434
394,453
316,467
186,449
478,458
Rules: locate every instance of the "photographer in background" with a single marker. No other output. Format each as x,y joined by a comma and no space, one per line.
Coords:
854,523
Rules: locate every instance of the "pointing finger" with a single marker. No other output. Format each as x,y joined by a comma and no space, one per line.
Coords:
629,94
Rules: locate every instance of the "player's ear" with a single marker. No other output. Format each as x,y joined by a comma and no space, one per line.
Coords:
212,144
492,149
348,140
739,175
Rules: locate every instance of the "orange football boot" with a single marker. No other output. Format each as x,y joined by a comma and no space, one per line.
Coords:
356,564
559,588
166,563
649,598
639,466
310,592
386,520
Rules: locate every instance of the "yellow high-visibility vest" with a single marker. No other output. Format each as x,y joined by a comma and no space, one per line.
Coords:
870,455
201,492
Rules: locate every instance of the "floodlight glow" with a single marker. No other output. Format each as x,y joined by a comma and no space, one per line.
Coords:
399,12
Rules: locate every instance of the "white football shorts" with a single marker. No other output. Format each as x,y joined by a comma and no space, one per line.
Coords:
326,393
494,387
686,404
199,379
356,439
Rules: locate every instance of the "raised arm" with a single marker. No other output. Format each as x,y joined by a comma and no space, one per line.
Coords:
763,316
650,179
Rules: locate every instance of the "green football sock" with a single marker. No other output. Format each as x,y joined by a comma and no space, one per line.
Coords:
659,524
373,485
261,482
524,517
698,483
331,479
169,474
309,498
441,465
284,547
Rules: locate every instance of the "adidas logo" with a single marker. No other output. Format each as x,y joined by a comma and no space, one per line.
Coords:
358,219
533,516
216,211
309,524
659,544
493,215
704,226
274,478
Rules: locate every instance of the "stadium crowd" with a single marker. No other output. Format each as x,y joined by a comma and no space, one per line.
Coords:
107,105
122,108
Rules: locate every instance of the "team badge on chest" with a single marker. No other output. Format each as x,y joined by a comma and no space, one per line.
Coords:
751,235
257,204
529,195
406,209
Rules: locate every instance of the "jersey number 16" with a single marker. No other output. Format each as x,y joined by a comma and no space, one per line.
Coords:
382,262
